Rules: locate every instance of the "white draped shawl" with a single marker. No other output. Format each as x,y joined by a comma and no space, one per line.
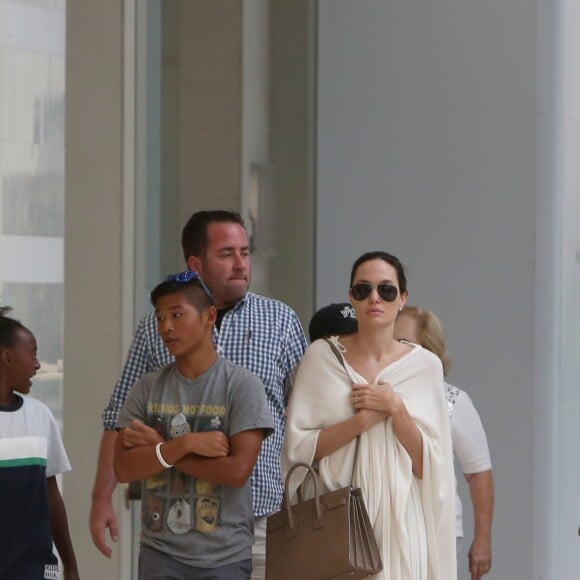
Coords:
413,519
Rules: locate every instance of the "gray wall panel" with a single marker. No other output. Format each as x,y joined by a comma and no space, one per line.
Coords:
426,148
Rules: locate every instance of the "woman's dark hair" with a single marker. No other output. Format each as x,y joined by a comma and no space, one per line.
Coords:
9,328
390,259
194,235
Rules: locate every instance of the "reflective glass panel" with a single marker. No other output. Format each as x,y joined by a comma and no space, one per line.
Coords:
32,89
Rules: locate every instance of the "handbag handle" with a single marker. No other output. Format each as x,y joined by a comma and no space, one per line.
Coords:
317,507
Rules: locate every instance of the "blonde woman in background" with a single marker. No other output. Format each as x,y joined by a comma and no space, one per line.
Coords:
422,327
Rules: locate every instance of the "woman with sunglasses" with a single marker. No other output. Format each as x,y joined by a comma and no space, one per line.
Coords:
376,416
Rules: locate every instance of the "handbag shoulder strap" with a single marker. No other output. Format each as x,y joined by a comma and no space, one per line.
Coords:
341,360
336,353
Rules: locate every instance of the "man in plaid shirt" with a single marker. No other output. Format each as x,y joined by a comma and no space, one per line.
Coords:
259,333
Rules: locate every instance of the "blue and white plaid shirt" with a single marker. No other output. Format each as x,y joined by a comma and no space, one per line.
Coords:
260,334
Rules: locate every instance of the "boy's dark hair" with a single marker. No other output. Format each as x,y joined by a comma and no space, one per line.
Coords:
192,290
389,259
9,327
194,235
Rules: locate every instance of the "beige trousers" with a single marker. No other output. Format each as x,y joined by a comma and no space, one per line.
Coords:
259,550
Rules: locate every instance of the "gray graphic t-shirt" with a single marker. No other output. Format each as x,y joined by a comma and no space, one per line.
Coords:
194,521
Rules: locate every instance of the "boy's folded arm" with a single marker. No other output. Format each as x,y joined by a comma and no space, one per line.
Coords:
233,470
135,463
202,455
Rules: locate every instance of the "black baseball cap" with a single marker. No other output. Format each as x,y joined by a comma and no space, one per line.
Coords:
332,320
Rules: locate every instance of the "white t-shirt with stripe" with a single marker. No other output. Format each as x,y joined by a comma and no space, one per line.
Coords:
31,450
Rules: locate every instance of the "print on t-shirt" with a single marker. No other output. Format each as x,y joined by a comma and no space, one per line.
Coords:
171,499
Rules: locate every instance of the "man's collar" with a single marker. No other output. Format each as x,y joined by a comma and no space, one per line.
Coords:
238,304
241,302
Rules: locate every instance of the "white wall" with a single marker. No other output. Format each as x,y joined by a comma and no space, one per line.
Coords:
426,148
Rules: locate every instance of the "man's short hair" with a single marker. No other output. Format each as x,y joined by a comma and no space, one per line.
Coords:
334,319
194,240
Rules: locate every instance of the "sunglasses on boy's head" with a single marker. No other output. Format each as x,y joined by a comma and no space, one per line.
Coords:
362,290
188,276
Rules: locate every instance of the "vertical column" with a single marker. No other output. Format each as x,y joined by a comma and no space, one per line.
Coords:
210,105
568,441
93,253
292,149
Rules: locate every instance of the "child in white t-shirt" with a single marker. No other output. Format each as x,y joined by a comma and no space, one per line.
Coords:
32,512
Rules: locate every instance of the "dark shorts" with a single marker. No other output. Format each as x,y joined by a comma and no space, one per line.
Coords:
154,565
30,569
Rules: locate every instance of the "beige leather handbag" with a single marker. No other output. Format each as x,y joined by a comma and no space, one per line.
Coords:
328,536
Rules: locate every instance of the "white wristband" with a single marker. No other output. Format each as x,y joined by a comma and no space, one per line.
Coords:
160,457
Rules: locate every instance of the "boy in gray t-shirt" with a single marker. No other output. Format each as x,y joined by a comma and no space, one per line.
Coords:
192,431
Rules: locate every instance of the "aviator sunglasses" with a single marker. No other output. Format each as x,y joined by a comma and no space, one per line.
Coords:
188,276
362,290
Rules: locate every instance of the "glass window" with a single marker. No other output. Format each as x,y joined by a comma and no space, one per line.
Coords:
32,89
